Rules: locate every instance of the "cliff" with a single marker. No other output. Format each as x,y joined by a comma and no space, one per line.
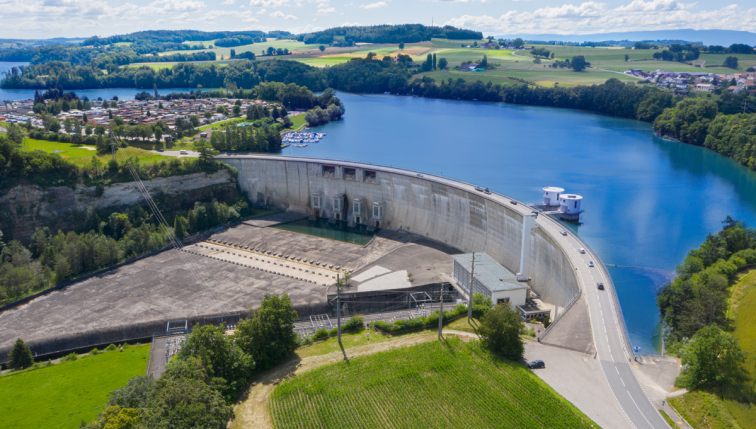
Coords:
26,207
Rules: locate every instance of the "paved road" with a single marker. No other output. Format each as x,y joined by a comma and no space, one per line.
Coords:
608,332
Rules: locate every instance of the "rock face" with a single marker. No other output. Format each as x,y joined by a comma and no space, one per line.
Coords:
27,207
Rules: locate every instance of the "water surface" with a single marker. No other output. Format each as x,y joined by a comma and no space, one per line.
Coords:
647,201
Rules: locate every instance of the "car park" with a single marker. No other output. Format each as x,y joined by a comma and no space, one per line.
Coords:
600,286
536,364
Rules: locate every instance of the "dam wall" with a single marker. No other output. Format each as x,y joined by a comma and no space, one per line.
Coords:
447,211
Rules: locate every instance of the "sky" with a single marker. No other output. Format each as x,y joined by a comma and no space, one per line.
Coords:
27,19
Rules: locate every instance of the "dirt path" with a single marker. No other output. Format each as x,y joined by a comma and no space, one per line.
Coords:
252,412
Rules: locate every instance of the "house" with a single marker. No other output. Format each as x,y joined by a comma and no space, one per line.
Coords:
704,87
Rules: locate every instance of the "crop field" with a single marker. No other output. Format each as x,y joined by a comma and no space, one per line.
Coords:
81,155
447,384
65,394
257,48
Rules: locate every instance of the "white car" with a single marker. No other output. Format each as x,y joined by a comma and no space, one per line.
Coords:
563,232
581,250
183,152
590,264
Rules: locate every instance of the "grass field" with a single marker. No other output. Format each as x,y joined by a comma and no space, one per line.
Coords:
447,384
256,48
704,410
65,394
80,155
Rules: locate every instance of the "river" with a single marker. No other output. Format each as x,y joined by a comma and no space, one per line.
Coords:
647,201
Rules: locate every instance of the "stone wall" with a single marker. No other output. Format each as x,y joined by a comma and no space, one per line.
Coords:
437,208
26,207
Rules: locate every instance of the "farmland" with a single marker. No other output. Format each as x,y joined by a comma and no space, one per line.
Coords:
468,386
65,394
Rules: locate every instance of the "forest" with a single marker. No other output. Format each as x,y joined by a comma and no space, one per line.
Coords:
406,33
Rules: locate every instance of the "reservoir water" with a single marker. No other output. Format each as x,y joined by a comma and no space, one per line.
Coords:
647,201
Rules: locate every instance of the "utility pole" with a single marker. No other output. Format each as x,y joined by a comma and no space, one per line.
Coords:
338,307
470,291
441,312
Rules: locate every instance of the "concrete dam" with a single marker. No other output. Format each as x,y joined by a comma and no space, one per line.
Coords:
444,210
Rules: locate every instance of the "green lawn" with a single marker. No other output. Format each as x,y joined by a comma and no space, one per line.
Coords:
449,384
704,410
80,155
64,395
222,124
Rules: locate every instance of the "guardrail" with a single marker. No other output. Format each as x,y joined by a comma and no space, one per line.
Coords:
609,287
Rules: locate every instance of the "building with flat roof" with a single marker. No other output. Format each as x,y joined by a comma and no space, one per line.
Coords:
491,279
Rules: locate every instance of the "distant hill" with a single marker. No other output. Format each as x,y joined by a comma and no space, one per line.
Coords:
707,37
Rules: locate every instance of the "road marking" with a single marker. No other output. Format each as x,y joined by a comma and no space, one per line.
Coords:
639,410
615,368
623,381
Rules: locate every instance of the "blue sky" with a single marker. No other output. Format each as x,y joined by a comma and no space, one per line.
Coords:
78,18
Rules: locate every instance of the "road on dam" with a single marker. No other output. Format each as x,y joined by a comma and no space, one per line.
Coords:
609,335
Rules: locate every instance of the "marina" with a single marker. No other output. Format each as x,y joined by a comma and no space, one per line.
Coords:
301,139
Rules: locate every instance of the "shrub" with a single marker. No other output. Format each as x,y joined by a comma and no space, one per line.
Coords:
20,356
319,334
333,332
111,347
95,352
501,329
70,357
356,322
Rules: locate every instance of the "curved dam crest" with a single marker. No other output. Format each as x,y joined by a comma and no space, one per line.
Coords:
430,206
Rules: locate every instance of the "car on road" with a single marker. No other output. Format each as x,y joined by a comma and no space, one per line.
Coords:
600,286
536,364
183,152
513,202
590,264
563,232
161,150
419,175
581,250
480,189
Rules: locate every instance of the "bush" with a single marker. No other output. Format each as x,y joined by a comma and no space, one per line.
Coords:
70,357
111,348
20,356
501,329
319,334
420,322
356,322
95,352
333,332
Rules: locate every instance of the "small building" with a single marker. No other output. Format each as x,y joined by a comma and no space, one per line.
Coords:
491,279
704,87
551,195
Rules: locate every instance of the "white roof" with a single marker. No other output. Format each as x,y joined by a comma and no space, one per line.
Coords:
552,189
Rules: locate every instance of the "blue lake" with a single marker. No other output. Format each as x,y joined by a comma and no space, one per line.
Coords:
647,202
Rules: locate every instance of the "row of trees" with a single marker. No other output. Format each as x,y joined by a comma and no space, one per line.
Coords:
406,33
247,139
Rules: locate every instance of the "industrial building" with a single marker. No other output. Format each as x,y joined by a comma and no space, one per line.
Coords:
491,279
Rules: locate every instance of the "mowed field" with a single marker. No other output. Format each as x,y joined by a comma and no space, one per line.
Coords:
449,384
83,154
65,394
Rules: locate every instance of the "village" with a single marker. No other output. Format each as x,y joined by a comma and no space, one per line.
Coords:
137,112
683,82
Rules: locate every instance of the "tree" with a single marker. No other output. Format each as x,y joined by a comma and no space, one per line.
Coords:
518,42
208,114
186,403
115,417
233,53
158,134
322,48
237,110
401,46
221,357
205,150
627,57
268,335
434,61
179,226
501,329
442,63
578,63
731,62
135,394
20,356
711,357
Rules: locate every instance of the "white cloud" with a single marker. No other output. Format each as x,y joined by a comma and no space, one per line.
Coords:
277,14
594,17
160,21
462,1
349,4
326,11
373,5
262,11
351,24
229,2
268,3
290,17
166,6
181,17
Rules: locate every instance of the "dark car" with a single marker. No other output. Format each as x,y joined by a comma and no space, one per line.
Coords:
161,150
536,364
513,202
600,286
